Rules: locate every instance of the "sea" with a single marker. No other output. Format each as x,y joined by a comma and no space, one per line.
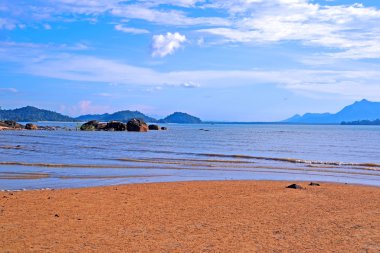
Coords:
189,152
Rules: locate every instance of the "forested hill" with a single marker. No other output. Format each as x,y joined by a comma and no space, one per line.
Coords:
33,114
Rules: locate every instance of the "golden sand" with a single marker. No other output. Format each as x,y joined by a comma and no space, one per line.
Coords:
228,216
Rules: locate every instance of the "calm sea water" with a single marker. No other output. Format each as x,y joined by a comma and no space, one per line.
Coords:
60,159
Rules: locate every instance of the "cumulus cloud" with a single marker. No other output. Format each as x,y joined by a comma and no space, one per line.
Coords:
166,44
132,30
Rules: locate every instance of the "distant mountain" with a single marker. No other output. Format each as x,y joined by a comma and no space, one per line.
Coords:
360,110
180,117
33,114
118,116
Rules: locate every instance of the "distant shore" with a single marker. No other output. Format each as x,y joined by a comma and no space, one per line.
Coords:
215,216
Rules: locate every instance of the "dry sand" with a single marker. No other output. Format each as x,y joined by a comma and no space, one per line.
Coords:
229,216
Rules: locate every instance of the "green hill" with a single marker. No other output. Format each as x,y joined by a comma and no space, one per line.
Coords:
117,116
33,114
181,118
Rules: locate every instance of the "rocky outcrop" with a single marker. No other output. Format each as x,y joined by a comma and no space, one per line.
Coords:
164,128
101,126
10,125
134,125
115,126
90,126
154,127
31,126
137,125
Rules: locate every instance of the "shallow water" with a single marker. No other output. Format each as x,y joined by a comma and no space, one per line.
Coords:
60,159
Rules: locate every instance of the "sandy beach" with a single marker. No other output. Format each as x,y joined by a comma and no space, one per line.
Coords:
227,216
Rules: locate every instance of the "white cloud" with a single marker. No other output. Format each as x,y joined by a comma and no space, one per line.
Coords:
182,3
166,17
87,107
354,84
7,24
11,90
190,85
353,29
349,29
105,94
122,28
47,27
164,45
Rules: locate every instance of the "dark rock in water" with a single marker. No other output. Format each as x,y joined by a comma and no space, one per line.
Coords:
314,184
164,128
154,127
11,124
294,186
90,126
115,126
137,125
31,126
48,128
101,126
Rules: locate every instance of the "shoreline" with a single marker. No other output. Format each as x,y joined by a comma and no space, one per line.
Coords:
303,182
200,216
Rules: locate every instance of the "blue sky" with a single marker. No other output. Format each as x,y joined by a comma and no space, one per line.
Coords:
236,60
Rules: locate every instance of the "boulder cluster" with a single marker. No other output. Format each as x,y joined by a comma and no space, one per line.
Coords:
13,125
10,125
133,125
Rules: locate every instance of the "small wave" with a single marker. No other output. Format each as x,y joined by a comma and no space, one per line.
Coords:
184,161
92,147
233,168
57,165
21,175
293,160
109,177
247,157
12,147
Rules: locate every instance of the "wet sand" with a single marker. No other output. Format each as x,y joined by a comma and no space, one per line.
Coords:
227,216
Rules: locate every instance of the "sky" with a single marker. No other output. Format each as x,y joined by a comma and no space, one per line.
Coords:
230,60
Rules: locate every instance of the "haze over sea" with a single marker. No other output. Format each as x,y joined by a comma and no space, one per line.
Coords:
62,159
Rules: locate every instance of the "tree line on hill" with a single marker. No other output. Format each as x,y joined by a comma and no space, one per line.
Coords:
33,114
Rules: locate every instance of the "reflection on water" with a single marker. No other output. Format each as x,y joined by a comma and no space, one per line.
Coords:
55,159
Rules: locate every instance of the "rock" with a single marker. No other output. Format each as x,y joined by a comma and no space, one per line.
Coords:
294,186
154,127
115,126
101,126
48,128
90,126
137,125
10,124
164,128
314,184
31,126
